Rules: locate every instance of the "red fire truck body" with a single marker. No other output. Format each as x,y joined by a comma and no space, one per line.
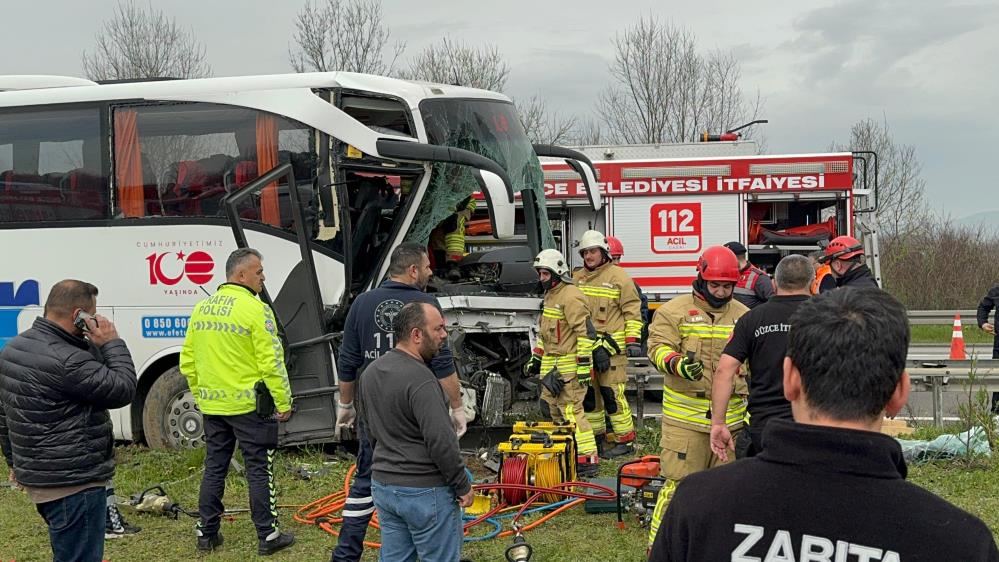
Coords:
668,203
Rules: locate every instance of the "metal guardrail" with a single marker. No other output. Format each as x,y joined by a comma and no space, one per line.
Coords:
933,376
939,317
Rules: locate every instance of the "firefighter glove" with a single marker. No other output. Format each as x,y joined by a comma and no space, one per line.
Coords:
689,368
553,382
601,360
533,366
635,350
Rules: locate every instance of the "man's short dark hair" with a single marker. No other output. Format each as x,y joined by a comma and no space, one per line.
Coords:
405,256
237,258
413,315
68,295
850,347
794,273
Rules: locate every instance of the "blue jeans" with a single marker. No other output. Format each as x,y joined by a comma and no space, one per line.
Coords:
76,525
422,523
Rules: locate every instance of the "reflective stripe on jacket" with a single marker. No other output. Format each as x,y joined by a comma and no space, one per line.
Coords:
687,324
613,302
232,342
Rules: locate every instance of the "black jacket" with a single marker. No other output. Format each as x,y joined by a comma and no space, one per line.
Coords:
837,494
987,305
858,277
55,392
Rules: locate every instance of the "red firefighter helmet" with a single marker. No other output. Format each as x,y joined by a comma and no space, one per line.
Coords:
718,263
843,248
616,247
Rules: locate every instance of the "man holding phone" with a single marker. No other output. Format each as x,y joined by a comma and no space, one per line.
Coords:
72,366
232,345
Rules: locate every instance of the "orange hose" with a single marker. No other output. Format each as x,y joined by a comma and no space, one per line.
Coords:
319,512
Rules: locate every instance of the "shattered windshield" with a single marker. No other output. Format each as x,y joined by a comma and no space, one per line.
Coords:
487,127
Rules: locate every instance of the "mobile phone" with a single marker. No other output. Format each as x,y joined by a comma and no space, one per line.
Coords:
80,320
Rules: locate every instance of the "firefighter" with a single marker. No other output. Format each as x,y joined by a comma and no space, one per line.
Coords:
845,256
616,253
448,240
686,339
562,354
617,316
754,287
824,280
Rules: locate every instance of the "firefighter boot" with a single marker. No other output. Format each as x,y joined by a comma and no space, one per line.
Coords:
587,466
624,446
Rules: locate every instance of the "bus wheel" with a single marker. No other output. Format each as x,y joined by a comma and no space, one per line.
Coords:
170,417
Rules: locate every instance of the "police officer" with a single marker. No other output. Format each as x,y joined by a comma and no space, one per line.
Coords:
232,343
562,354
845,256
367,334
616,312
686,339
754,287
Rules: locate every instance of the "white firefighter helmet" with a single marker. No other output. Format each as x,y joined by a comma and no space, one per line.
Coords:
592,239
553,261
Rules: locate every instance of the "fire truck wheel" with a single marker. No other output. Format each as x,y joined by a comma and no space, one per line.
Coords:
170,417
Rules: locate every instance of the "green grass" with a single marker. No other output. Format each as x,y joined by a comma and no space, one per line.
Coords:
941,334
571,537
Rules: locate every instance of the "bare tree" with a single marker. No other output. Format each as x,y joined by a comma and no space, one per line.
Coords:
348,35
544,126
588,131
665,91
454,63
141,42
901,188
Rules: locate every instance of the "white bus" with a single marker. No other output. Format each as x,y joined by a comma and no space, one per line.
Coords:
144,189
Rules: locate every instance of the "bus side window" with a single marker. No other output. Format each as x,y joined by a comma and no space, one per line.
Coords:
198,153
51,166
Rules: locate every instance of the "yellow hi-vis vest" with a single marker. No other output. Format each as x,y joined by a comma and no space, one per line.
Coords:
232,342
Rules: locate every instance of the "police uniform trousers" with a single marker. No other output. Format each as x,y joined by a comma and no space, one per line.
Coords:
258,439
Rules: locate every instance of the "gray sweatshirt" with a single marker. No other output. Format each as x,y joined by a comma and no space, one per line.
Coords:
405,414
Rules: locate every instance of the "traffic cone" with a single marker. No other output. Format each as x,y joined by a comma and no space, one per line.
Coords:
957,340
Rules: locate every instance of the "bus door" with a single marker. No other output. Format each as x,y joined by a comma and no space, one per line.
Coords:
299,310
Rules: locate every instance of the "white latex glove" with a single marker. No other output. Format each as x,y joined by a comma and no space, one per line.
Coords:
458,421
345,415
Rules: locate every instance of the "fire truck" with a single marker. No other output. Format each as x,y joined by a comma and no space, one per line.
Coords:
667,203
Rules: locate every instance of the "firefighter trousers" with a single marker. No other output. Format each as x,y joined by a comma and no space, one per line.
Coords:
606,398
258,439
568,407
684,452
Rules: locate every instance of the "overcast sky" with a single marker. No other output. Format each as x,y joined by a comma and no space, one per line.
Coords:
931,68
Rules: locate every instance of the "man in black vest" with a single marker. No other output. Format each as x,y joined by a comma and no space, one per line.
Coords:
754,287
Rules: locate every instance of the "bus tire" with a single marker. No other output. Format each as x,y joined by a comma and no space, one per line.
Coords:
170,417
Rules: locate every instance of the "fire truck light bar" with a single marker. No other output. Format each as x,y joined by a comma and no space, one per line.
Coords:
556,175
677,172
799,168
